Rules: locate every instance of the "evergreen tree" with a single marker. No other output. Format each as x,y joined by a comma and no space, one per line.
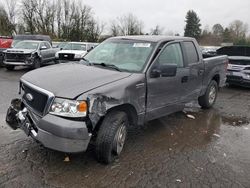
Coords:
193,25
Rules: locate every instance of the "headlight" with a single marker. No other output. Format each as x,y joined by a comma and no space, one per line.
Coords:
78,55
68,108
57,55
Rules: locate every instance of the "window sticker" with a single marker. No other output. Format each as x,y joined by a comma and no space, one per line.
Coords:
141,45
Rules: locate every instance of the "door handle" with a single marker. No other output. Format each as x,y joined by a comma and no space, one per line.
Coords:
184,79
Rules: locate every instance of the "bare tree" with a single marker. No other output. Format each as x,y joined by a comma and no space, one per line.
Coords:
6,27
126,25
218,29
114,28
157,30
12,10
29,13
238,29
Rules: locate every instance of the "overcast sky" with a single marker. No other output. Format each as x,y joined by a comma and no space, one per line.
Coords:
171,14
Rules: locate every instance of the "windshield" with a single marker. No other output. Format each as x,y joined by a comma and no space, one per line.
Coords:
74,46
14,43
62,44
128,55
27,45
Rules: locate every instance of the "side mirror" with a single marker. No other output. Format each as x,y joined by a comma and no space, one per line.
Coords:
168,70
43,48
164,71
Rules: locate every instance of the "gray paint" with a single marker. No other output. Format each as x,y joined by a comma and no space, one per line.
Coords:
45,55
145,98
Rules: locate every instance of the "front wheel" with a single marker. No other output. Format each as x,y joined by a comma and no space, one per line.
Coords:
36,63
208,99
111,137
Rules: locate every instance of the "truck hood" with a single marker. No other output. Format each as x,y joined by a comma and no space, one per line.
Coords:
25,51
72,79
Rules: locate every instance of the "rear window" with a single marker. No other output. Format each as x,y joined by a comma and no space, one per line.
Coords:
192,55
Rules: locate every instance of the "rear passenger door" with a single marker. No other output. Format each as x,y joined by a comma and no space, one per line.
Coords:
196,70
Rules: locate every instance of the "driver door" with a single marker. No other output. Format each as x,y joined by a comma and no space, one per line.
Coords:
166,94
44,52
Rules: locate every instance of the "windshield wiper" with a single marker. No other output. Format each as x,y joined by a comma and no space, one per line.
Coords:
108,65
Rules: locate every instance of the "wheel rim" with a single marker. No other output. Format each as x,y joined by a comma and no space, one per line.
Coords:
120,139
212,95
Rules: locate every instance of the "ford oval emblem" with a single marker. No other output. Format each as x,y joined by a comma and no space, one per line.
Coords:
29,97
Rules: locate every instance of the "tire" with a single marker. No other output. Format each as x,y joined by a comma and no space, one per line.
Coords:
10,67
111,137
209,98
36,63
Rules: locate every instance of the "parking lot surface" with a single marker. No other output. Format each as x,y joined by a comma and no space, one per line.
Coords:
210,148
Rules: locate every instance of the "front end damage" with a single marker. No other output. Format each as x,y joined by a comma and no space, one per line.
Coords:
51,131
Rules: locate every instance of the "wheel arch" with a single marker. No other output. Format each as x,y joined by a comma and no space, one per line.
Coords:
129,109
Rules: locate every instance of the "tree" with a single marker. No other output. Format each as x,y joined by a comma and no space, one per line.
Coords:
6,27
12,11
28,15
227,36
157,30
238,29
192,28
218,30
126,25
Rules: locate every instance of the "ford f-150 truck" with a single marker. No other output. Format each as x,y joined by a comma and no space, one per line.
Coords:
29,53
122,82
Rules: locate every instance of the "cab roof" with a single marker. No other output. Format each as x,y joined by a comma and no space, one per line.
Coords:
152,38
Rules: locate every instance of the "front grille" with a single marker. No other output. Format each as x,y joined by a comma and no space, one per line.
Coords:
39,99
65,56
234,78
15,57
239,62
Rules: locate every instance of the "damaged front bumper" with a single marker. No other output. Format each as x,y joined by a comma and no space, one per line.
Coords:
53,132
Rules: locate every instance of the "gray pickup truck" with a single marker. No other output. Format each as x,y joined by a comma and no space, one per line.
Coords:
29,53
122,82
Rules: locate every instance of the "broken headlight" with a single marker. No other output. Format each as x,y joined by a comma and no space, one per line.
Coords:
68,108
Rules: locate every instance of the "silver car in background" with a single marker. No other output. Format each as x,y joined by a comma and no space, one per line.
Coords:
238,70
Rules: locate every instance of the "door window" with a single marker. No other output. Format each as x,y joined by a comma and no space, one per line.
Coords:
172,54
43,45
192,55
47,45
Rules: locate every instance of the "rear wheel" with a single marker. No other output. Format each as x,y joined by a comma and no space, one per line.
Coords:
10,67
111,137
208,99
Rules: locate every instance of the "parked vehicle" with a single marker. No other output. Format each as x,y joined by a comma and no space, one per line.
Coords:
29,53
124,81
238,71
19,38
5,42
74,51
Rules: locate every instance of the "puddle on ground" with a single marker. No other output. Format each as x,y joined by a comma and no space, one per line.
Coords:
180,129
